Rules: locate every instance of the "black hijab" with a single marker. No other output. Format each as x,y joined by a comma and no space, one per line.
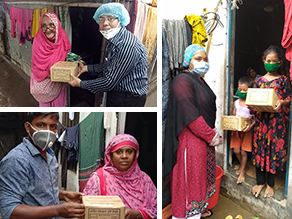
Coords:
189,98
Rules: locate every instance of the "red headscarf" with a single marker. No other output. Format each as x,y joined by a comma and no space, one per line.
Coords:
133,186
46,53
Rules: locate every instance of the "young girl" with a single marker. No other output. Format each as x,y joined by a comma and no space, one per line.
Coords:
269,147
241,142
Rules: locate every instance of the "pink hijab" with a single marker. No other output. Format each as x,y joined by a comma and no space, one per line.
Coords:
46,53
133,186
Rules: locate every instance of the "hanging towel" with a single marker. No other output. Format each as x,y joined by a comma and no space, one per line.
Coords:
166,80
150,34
91,146
287,33
23,19
199,31
66,21
36,16
110,126
176,37
142,10
131,6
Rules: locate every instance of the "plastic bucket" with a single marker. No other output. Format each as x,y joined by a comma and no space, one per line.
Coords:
213,200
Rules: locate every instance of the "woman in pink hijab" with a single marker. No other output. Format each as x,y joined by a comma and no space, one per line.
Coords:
50,45
121,175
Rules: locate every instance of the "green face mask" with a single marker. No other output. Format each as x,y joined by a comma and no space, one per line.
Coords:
272,67
241,95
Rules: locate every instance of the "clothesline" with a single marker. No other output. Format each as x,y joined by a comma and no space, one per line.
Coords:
40,4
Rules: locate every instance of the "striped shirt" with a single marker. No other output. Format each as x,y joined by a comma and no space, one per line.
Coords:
124,69
27,178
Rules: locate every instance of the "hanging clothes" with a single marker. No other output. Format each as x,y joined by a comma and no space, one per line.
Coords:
36,16
150,34
176,37
110,125
65,20
72,143
287,33
142,10
199,31
131,7
23,19
189,32
91,146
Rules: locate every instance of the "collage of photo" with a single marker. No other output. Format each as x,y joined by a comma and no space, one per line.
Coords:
145,109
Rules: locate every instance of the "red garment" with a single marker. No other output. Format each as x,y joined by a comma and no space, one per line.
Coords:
287,32
270,140
46,53
192,195
23,17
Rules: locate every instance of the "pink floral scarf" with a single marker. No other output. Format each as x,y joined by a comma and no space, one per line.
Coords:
133,186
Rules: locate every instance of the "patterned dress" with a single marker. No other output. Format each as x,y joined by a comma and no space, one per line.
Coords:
269,147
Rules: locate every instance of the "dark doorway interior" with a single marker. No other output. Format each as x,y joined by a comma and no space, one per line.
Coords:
11,131
86,42
259,24
143,126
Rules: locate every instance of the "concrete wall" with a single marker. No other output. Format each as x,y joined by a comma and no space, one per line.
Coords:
20,53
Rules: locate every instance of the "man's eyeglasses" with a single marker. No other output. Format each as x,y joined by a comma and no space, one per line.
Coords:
109,19
50,27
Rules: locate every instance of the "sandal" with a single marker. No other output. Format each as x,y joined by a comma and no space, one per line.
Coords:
207,211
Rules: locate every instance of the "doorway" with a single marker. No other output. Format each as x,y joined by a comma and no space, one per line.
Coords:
258,24
143,126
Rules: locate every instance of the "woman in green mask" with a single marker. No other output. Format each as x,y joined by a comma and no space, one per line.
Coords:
270,146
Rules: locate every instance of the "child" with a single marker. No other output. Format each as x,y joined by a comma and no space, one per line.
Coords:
269,147
241,142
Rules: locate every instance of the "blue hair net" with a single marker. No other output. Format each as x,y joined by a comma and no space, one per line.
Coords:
116,9
190,51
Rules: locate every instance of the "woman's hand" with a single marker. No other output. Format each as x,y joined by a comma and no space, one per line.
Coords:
81,68
217,140
75,82
132,214
278,105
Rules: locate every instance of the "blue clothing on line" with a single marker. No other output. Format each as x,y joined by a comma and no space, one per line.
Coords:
124,69
27,178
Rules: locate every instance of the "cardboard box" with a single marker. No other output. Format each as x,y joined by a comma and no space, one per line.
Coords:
103,207
234,123
261,99
61,71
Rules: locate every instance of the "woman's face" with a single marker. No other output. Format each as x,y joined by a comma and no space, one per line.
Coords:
123,158
198,57
48,27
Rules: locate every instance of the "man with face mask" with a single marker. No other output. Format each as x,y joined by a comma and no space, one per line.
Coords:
124,71
29,175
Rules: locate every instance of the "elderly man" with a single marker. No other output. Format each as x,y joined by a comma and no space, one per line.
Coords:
124,71
29,175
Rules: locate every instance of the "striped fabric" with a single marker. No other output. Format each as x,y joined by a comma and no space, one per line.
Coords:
124,69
